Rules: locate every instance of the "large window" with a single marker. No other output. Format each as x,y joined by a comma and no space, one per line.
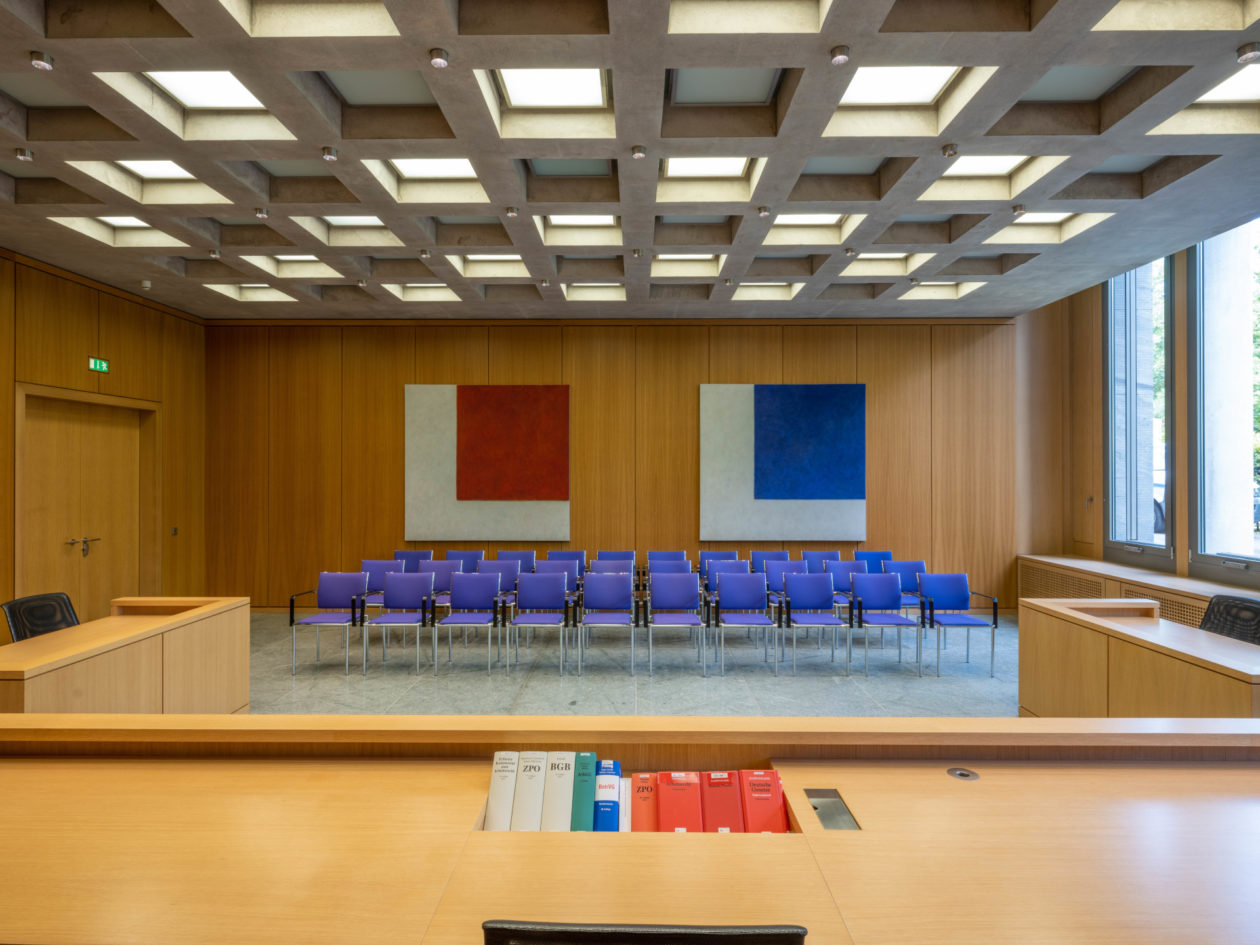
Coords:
1139,499
1225,405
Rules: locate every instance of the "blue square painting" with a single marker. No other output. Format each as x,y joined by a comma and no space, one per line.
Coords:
810,441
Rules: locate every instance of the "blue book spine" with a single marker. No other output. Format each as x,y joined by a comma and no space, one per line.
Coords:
607,792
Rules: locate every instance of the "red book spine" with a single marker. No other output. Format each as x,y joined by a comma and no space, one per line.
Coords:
643,801
719,796
762,793
678,802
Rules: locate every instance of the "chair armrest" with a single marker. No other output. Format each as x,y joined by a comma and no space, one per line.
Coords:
989,597
292,599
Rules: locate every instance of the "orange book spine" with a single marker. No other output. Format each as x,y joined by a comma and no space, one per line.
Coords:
678,802
643,815
762,793
719,797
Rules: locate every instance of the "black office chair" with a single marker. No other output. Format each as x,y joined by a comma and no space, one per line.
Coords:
38,614
1237,617
501,932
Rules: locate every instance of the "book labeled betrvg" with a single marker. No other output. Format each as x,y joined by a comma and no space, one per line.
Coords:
761,793
607,793
643,801
678,802
531,771
502,789
583,815
719,800
557,811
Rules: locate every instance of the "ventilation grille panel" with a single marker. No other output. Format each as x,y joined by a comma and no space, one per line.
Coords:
1037,580
1185,610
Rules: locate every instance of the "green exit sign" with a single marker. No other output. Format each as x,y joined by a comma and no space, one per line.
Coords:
98,364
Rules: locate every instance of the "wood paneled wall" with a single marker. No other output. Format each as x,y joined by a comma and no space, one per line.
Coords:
51,322
305,432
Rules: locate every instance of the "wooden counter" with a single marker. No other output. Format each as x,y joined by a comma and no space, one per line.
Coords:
334,829
152,654
1119,658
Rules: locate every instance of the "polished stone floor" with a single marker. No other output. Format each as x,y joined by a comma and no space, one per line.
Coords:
534,686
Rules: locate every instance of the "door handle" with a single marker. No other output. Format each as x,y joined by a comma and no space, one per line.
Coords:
73,541
87,547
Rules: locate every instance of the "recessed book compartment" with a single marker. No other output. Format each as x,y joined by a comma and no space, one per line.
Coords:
575,792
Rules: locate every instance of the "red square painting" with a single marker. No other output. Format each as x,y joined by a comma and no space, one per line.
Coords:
512,442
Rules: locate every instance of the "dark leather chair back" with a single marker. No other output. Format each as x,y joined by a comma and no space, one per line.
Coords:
39,613
500,932
1237,617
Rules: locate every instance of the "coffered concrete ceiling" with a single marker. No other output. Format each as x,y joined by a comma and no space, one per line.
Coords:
842,200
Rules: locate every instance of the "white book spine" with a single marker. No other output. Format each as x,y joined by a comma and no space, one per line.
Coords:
557,810
623,808
502,789
527,804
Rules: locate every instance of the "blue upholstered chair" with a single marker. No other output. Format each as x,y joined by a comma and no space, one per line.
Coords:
873,559
615,555
407,601
611,566
666,556
474,606
809,604
877,604
674,603
526,558
467,558
442,571
337,595
568,568
775,571
668,566
909,572
702,566
509,572
376,569
413,557
607,602
946,600
841,575
569,554
760,557
740,603
542,603
814,560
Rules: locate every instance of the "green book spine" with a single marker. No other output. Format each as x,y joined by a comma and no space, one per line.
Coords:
583,792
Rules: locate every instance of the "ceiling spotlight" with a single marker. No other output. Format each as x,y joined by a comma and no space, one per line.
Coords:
260,212
638,254
512,212
328,154
439,58
914,281
145,285
763,211
950,150
726,282
362,283
839,55
214,254
850,251
24,154
638,152
425,254
44,62
1249,52
545,283
1018,209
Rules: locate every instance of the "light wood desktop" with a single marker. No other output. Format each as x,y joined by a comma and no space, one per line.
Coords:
152,654
194,830
1094,658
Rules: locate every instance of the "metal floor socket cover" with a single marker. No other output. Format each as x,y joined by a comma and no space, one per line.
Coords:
962,774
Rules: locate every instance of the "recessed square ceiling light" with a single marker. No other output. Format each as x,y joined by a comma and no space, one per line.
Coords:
938,283
1046,217
897,85
685,256
554,88
132,222
570,167
1242,86
706,166
255,285
156,170
297,257
424,285
353,221
593,285
881,256
990,165
581,219
724,86
765,284
492,257
206,89
807,219
435,168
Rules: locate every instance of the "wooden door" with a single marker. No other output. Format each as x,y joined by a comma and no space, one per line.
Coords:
80,479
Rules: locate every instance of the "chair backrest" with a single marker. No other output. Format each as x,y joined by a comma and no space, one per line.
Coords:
413,557
442,571
39,613
814,560
759,558
508,571
608,592
707,556
669,566
511,932
877,591
474,591
741,591
675,592
615,556
946,591
336,590
570,555
612,566
468,559
568,568
872,558
526,558
542,591
776,569
840,572
810,591
725,566
377,568
908,571
405,590
1237,617
666,556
